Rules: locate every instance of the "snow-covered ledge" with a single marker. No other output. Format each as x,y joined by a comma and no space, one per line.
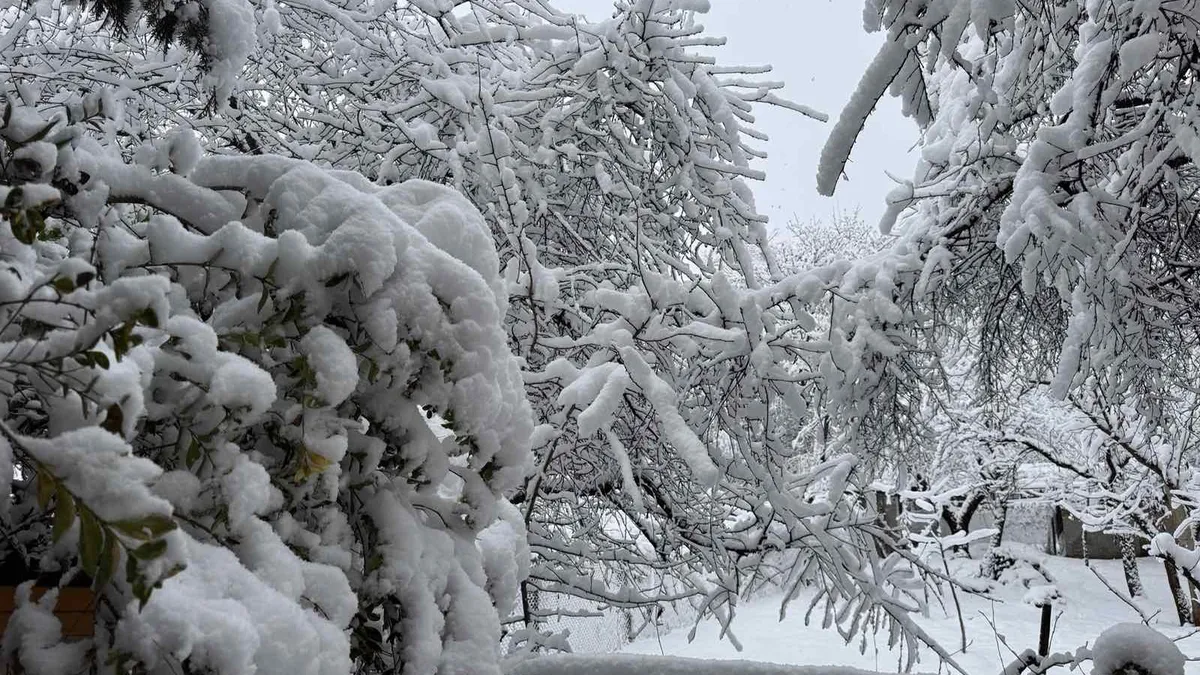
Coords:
637,664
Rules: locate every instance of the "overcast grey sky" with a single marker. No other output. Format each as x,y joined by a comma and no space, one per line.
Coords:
819,49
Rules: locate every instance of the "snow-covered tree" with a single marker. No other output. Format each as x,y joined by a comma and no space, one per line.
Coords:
216,378
1055,175
608,161
1051,213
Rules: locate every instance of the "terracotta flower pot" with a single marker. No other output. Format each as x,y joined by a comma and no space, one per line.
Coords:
76,609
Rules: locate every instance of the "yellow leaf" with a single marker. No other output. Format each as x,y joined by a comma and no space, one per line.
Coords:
311,464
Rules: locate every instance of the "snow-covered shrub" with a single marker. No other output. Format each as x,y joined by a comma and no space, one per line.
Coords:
216,377
1018,564
1136,649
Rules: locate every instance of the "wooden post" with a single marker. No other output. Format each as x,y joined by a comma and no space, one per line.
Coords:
1044,633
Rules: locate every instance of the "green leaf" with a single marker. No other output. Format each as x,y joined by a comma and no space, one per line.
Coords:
146,528
110,557
148,317
141,591
172,572
120,339
193,453
99,359
63,285
151,550
15,196
45,488
22,227
132,572
64,513
91,542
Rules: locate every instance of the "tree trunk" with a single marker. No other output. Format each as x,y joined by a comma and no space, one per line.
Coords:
1193,590
1177,592
1133,579
1001,512
881,518
1182,602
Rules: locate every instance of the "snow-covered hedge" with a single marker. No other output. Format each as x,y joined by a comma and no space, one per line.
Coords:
216,376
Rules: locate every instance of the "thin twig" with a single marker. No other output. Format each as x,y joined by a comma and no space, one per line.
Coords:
1117,592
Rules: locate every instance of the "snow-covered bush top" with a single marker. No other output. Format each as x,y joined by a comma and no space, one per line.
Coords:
217,379
1136,648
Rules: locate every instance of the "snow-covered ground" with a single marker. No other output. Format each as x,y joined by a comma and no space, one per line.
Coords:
1089,609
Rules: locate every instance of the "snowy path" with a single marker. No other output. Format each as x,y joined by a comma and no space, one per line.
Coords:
1090,608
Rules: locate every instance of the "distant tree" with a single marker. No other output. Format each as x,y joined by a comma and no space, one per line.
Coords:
820,242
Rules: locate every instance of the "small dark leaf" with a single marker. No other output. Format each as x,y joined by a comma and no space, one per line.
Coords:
84,278
99,359
114,419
